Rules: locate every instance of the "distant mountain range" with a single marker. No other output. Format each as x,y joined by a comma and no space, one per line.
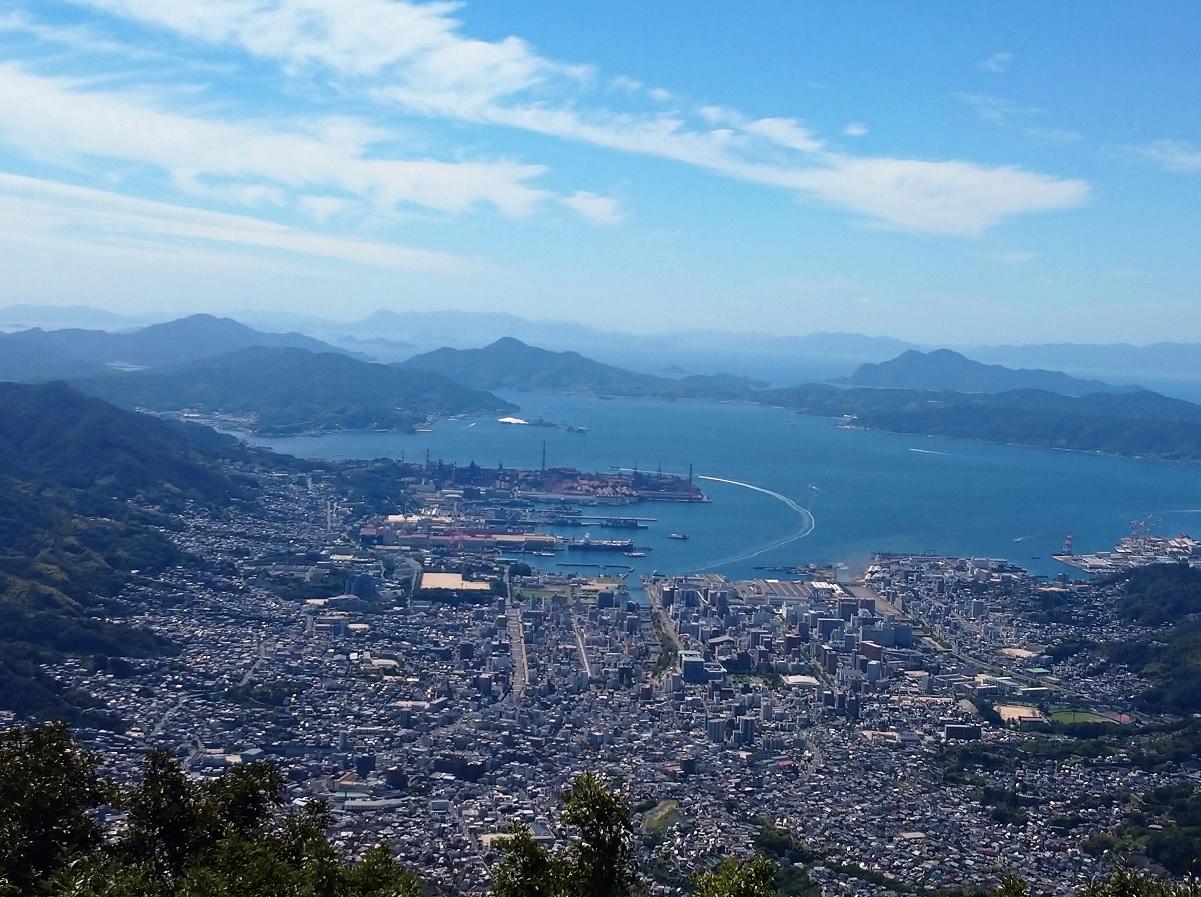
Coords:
279,391
24,317
1140,422
781,360
390,336
272,383
172,343
1176,360
282,389
509,363
944,369
769,357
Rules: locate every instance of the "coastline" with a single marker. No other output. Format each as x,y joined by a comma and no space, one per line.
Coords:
237,425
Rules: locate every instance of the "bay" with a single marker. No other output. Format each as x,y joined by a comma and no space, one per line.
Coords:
793,490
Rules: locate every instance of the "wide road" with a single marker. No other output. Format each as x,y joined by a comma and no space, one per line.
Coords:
652,594
521,671
579,641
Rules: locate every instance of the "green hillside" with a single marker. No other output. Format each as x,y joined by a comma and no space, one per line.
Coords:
1142,423
944,369
289,391
79,484
509,363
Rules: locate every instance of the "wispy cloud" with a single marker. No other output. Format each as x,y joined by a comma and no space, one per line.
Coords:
997,63
63,121
50,215
1013,257
1171,155
855,129
414,58
940,197
1016,117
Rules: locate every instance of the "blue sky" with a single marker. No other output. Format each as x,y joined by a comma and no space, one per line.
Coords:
941,172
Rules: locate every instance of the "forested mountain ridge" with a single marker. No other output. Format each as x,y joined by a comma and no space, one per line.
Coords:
509,363
1168,658
943,369
1137,423
287,391
83,488
23,362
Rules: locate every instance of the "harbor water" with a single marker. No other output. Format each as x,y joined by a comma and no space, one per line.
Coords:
788,490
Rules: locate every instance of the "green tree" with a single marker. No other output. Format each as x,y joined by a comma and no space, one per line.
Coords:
48,785
1123,883
732,878
170,820
222,838
247,797
603,860
528,869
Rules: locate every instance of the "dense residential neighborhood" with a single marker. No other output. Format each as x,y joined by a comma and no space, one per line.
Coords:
432,695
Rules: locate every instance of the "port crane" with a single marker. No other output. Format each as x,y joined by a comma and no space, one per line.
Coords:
1140,530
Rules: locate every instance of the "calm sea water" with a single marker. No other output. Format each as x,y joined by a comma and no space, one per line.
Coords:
820,493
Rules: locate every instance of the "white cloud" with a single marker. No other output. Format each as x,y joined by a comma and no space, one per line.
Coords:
784,132
415,57
997,63
855,129
415,44
76,37
597,209
70,220
625,84
60,121
940,197
1172,155
945,197
322,207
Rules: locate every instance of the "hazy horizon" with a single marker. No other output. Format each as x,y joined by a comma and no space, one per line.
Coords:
85,316
945,175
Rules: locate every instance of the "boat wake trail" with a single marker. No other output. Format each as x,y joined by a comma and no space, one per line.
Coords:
807,523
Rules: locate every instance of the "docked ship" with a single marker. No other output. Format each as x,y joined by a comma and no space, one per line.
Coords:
589,544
